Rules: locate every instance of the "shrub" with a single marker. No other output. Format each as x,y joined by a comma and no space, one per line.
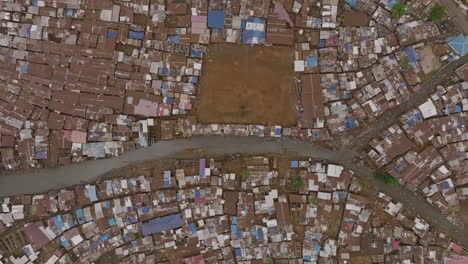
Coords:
245,173
385,177
362,185
398,10
313,201
297,183
437,13
404,65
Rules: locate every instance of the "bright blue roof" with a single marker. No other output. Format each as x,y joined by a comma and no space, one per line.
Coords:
112,222
216,19
459,44
312,61
111,35
351,2
162,224
58,221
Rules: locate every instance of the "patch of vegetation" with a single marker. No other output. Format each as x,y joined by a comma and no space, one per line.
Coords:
284,255
398,10
313,201
297,183
385,177
362,185
245,173
405,65
179,134
437,13
270,260
340,19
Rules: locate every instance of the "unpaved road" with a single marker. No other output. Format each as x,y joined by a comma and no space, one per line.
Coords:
456,15
43,180
427,88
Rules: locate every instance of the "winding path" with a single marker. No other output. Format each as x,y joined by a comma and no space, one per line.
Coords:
43,180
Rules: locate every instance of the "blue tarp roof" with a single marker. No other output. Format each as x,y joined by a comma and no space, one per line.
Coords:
111,35
350,2
192,228
413,56
167,179
350,123
79,212
253,36
446,185
136,34
109,188
459,44
392,2
196,53
175,39
111,222
216,19
58,221
312,61
162,224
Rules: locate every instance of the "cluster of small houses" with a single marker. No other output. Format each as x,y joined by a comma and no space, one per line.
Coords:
427,148
85,79
200,213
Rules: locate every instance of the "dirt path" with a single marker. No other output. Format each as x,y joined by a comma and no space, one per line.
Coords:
46,179
457,15
384,121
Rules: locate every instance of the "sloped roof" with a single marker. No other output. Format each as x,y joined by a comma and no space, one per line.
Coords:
459,44
162,224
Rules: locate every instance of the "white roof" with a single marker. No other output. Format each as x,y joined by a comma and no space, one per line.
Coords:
299,66
324,196
334,170
428,109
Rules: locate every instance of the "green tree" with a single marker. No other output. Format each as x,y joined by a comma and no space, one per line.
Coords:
398,10
297,183
270,260
385,177
437,13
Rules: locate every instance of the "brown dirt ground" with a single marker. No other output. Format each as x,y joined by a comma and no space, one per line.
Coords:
248,85
464,211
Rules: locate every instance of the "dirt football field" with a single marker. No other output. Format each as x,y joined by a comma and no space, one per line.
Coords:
247,85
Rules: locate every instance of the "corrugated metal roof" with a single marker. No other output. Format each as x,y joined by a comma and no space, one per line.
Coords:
162,224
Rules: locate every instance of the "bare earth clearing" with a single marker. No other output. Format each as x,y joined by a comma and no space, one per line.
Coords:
248,85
